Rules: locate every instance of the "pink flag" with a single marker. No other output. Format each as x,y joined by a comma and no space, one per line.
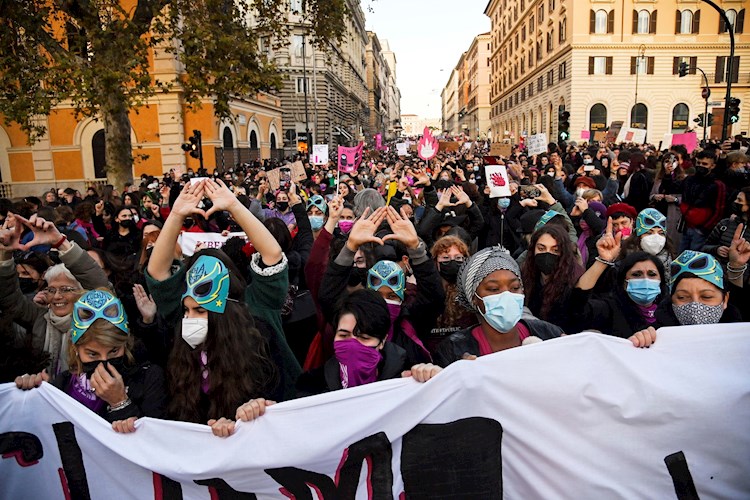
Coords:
427,147
378,141
350,158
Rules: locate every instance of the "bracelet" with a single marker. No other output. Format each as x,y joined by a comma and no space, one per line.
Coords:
736,269
59,243
119,406
605,262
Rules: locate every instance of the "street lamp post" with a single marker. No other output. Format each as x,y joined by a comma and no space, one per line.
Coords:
730,63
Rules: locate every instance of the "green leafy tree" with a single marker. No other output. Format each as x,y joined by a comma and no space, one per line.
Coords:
95,55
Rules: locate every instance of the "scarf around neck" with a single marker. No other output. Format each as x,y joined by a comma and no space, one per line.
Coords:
56,341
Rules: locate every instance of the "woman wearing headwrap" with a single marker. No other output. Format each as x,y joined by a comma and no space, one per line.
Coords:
651,237
489,284
103,374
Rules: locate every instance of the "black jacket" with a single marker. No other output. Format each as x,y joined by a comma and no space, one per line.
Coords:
147,389
454,347
612,314
328,378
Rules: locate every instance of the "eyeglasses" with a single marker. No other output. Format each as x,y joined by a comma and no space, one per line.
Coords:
443,260
64,290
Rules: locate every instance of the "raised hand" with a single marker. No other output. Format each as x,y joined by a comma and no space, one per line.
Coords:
365,228
10,234
581,206
462,198
220,195
403,229
108,384
45,232
608,245
335,208
187,203
739,250
445,200
545,195
421,176
294,198
144,302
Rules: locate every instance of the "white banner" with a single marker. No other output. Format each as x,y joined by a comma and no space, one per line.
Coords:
319,154
402,149
583,416
536,144
188,241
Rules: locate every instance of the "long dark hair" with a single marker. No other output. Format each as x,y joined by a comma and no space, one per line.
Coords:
565,275
627,306
239,365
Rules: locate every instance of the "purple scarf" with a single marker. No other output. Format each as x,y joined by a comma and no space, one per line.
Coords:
358,363
647,312
586,234
79,388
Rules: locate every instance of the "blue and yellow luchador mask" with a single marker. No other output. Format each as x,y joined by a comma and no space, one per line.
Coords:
387,273
700,264
94,305
648,219
208,283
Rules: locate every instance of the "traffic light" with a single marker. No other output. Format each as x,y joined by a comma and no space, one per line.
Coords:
710,119
195,146
701,120
563,126
683,69
734,110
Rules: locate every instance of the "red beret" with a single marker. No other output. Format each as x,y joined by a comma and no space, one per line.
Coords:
622,207
587,181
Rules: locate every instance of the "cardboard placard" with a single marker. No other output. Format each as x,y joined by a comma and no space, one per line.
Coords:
600,135
274,178
298,171
449,146
536,144
501,149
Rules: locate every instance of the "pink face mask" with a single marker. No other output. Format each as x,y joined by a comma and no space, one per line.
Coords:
358,363
625,231
345,226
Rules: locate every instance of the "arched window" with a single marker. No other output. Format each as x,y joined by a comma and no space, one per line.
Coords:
99,149
600,24
639,116
563,30
597,118
680,115
273,140
686,22
253,140
644,20
227,139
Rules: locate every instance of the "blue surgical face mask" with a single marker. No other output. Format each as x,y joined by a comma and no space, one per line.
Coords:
316,221
503,310
503,203
643,291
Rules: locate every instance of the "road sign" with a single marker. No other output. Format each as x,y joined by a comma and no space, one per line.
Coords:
706,93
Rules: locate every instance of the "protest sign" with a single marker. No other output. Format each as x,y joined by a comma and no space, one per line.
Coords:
600,136
614,130
402,149
497,180
501,149
188,241
298,171
427,146
634,135
531,422
536,144
274,178
449,146
350,158
319,154
689,140
585,135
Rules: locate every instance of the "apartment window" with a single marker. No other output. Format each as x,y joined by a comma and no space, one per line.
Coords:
541,13
523,33
538,50
296,5
639,116
540,84
531,89
550,40
562,71
736,20
600,65
551,6
523,94
563,31
721,69
644,22
641,65
550,78
531,24
531,58
687,23
297,45
692,62
601,22
303,85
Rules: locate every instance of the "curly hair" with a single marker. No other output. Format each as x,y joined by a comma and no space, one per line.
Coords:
453,310
239,365
566,273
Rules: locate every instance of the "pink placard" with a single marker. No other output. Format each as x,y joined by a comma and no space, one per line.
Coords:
585,134
689,140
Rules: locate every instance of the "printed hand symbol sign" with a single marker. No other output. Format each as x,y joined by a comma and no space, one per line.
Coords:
497,179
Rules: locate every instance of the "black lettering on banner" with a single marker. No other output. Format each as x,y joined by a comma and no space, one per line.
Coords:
684,487
72,461
296,483
220,490
26,448
166,489
461,459
375,450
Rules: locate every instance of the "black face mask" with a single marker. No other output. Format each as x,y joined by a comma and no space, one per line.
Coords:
282,205
357,276
127,223
449,270
117,363
736,209
188,223
546,262
28,285
702,171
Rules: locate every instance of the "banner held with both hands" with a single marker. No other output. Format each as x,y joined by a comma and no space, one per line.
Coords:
582,416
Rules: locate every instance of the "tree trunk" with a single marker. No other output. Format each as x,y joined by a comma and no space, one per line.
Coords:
119,150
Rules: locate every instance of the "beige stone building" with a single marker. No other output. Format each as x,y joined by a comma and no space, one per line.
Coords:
606,61
450,97
393,94
413,125
378,75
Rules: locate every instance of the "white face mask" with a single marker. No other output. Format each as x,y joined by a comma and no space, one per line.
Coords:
579,192
653,243
194,331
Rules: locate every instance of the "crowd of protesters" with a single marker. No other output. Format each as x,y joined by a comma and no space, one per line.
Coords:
398,268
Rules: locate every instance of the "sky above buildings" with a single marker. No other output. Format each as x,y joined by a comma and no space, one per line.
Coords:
428,37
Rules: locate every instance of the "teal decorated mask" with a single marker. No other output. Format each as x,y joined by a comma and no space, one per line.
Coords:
387,273
208,284
648,219
94,305
699,264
